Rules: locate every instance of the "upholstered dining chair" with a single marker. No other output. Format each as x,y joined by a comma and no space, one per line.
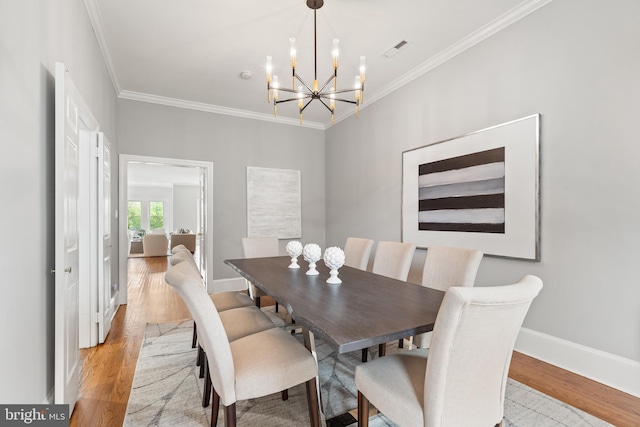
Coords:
463,380
235,370
223,300
445,267
357,252
392,259
259,247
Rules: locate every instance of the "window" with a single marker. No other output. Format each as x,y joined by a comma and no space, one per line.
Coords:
134,216
156,215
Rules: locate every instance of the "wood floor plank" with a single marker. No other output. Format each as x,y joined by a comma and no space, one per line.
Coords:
108,369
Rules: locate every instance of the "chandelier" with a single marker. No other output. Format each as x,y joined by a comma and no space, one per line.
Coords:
328,93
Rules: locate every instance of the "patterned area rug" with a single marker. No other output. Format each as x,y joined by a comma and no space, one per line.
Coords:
166,391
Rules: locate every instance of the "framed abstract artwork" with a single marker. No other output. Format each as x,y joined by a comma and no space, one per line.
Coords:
479,191
273,203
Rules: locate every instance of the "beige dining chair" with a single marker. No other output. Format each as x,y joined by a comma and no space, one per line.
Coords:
235,370
223,300
445,267
259,247
357,252
463,382
392,259
238,322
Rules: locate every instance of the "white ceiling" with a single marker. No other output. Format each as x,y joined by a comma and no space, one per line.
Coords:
190,53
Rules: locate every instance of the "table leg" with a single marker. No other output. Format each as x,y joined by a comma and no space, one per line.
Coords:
310,344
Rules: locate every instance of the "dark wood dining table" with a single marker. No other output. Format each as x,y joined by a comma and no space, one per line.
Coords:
365,310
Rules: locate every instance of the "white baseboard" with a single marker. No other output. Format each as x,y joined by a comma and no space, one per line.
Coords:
223,285
606,368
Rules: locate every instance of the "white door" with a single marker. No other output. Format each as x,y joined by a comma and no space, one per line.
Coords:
202,223
107,292
71,117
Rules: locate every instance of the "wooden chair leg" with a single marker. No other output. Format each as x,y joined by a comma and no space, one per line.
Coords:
194,340
363,410
257,299
215,408
206,392
285,394
312,403
365,354
382,349
230,415
400,343
276,307
201,357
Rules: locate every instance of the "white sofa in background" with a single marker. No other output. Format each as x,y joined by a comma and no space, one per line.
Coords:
155,245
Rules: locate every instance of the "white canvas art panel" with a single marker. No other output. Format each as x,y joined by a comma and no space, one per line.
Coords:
477,191
273,203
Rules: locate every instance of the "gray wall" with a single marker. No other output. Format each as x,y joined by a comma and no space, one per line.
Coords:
33,36
576,63
232,144
185,207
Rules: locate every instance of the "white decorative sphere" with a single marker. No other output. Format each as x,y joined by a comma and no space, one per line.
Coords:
311,252
294,248
333,257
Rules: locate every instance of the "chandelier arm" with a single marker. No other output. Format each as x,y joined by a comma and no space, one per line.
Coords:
348,101
305,105
345,90
293,91
279,101
327,82
325,104
303,83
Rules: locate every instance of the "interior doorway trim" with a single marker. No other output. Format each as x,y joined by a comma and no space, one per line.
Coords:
124,160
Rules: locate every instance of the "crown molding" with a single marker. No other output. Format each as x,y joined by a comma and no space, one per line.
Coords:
455,49
498,24
210,108
96,22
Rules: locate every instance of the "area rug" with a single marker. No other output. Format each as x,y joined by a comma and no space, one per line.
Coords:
166,391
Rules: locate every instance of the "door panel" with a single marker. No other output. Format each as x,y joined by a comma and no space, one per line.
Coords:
67,369
107,293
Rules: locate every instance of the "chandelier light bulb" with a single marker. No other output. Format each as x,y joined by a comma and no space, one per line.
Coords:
292,52
335,53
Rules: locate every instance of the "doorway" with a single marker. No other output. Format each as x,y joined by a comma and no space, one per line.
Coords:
153,206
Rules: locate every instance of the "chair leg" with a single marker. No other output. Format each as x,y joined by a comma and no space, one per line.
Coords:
206,392
194,340
312,402
230,415
215,408
363,410
202,358
382,349
400,343
285,394
276,306
257,299
365,354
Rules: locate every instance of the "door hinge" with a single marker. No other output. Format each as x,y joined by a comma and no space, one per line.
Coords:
96,317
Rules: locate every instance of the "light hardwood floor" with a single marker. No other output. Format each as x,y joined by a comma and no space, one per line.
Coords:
108,368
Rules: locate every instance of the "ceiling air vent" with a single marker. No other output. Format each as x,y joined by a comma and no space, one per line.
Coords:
393,50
